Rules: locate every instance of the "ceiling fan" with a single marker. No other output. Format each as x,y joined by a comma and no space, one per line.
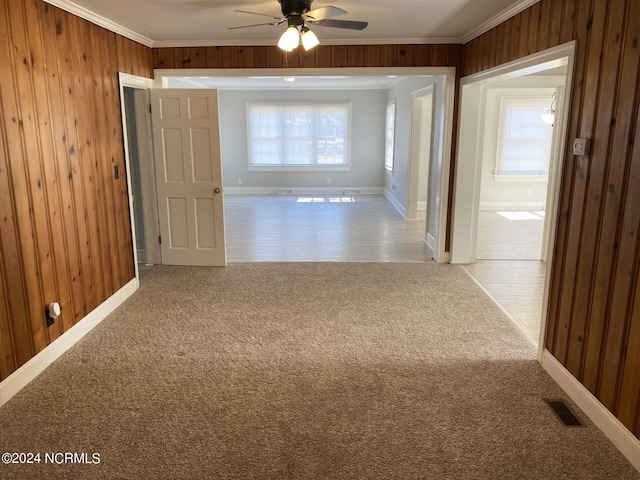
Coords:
297,14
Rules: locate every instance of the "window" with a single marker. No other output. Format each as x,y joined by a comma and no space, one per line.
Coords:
524,142
299,135
390,128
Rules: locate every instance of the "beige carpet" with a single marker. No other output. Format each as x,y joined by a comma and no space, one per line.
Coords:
293,371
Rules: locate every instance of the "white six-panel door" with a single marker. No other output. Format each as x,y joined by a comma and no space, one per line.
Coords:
186,138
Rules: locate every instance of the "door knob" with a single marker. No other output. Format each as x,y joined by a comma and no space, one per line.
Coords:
216,190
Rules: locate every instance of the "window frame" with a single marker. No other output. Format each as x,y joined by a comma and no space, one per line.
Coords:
345,167
389,135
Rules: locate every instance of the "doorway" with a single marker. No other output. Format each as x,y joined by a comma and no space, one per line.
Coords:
134,100
551,70
244,180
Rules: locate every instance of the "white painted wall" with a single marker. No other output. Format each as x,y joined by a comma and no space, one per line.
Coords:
396,182
367,142
426,114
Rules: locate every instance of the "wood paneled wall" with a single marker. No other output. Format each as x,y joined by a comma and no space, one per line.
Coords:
594,316
327,56
64,219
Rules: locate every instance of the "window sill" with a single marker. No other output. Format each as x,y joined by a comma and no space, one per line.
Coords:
312,168
521,178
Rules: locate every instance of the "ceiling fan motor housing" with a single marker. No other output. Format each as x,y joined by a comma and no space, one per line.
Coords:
295,7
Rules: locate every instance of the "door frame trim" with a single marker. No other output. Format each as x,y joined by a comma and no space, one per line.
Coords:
461,232
149,208
449,74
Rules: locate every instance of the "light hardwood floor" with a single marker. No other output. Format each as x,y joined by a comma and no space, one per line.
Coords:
331,228
509,247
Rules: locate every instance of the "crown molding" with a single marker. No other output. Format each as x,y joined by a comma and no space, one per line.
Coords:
99,20
501,17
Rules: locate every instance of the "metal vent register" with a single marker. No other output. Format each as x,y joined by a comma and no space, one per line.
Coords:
564,413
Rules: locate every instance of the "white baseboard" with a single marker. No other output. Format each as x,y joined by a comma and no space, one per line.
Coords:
512,206
394,201
615,431
431,242
303,190
34,367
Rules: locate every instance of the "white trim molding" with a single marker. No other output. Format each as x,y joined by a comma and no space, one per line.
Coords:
496,20
99,20
34,367
615,431
396,203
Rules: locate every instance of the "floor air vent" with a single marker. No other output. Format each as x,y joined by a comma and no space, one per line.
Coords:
564,413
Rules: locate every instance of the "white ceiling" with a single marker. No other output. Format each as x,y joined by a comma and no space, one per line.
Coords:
159,23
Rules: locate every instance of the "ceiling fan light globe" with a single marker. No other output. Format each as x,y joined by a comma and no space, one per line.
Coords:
309,39
290,39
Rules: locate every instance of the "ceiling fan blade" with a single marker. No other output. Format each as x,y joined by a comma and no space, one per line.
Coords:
256,25
323,12
256,13
350,24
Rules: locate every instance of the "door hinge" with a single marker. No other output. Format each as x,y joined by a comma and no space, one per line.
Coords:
150,109
159,239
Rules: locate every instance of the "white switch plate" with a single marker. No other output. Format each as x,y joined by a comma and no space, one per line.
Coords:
581,147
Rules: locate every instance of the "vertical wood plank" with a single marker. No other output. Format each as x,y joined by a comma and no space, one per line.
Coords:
628,401
7,354
340,57
163,57
544,24
324,56
81,154
600,160
356,56
585,191
523,34
211,54
59,289
557,9
69,141
623,251
95,114
535,17
33,217
51,31
403,56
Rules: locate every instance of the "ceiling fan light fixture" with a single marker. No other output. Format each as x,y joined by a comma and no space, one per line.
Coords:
290,39
309,39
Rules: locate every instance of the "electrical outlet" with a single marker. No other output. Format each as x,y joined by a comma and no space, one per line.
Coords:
581,147
328,180
239,181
